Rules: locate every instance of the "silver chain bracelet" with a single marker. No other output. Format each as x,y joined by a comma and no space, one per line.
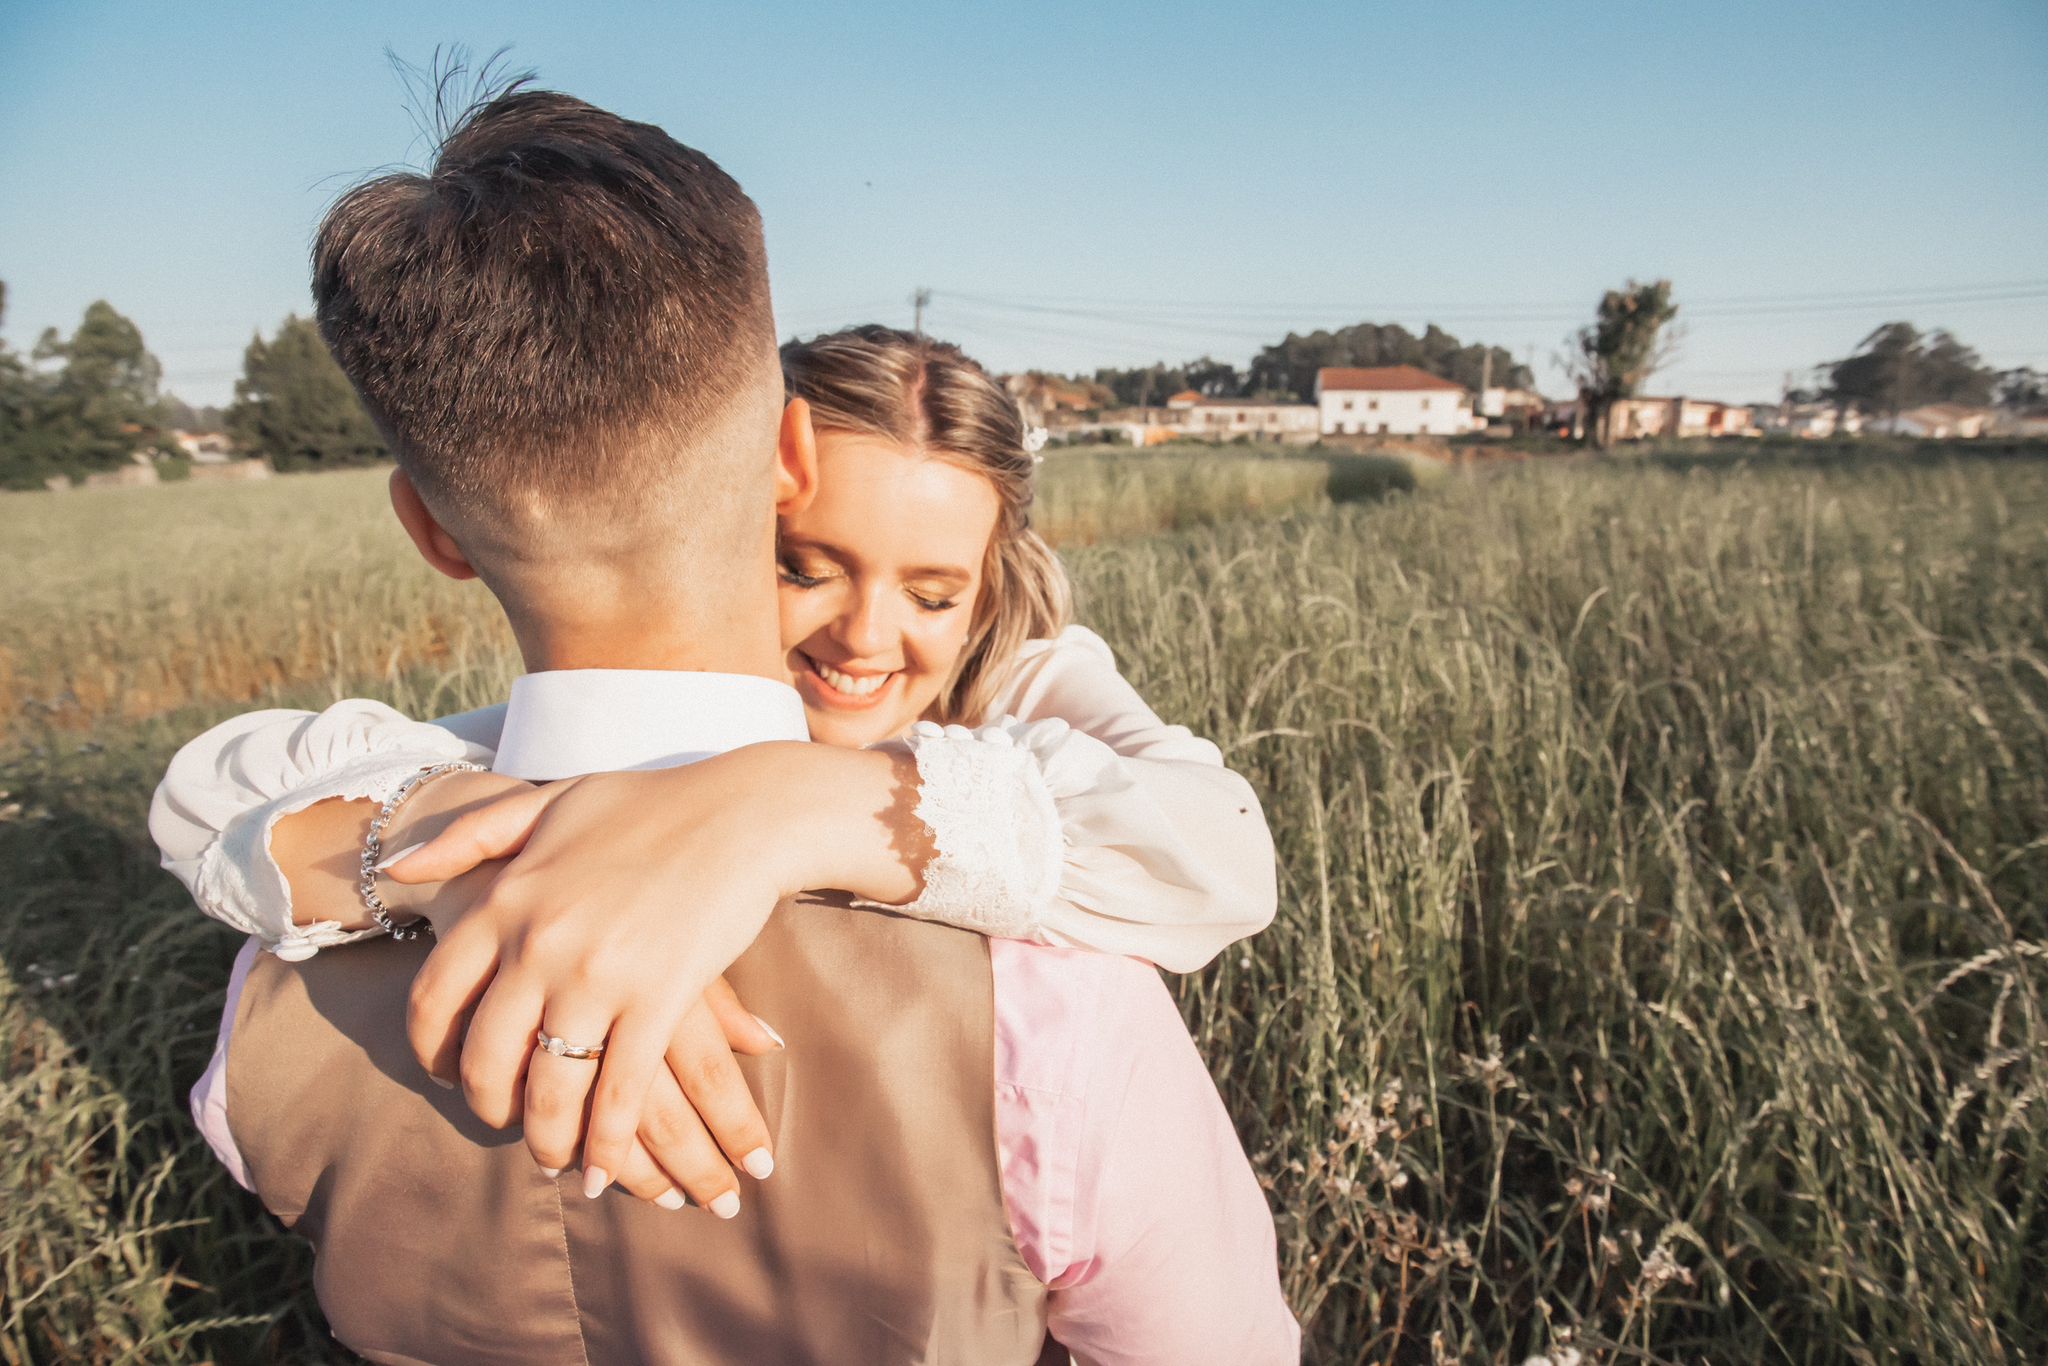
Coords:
373,849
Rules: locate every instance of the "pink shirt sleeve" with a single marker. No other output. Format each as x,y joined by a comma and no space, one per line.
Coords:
1128,1190
210,1096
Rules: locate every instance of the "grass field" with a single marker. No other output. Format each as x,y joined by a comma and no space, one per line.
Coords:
1664,936
226,592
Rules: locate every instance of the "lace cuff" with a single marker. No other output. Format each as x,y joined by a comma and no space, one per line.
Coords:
995,825
240,883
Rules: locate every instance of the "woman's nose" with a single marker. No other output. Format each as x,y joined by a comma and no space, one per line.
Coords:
865,628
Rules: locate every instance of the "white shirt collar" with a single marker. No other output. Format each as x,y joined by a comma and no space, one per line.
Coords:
562,723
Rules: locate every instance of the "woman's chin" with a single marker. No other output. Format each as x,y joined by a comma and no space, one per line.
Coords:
850,730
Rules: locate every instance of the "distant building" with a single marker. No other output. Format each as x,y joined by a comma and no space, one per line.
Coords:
205,448
1637,419
1524,404
1940,420
1816,420
1391,400
1051,401
2009,423
1223,419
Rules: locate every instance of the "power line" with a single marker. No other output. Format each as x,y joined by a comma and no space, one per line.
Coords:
1236,324
1872,295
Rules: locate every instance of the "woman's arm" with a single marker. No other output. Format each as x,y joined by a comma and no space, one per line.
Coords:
1082,819
307,784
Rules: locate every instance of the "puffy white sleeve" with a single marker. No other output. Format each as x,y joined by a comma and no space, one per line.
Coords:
225,791
1081,819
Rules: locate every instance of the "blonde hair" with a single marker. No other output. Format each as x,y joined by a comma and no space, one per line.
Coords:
928,396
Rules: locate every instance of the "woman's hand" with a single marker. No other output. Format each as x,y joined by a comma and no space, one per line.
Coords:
683,1130
692,1132
627,894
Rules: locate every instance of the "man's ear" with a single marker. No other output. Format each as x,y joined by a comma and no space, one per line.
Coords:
435,545
796,460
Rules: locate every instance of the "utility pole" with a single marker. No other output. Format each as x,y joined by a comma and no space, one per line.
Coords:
918,299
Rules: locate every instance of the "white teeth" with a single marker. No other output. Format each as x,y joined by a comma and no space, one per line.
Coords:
847,683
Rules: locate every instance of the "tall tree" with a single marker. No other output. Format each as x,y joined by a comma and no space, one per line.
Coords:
17,412
2024,389
294,405
98,409
1896,367
1612,357
1214,378
1951,372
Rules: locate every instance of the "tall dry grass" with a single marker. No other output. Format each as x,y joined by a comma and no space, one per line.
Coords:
1660,973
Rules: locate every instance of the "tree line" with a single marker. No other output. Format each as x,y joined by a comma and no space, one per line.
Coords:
1286,370
93,402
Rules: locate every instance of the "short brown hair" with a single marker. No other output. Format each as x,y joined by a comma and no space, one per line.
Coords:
562,287
930,396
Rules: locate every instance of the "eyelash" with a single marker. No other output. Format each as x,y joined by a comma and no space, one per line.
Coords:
796,578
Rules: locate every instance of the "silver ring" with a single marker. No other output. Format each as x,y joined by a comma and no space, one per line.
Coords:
562,1048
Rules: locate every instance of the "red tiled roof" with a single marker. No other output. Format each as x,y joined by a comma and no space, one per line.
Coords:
1397,377
1186,396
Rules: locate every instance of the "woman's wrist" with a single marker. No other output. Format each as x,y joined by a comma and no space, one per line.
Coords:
318,849
842,819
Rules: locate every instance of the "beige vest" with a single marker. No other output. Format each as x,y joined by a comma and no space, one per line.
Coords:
881,1237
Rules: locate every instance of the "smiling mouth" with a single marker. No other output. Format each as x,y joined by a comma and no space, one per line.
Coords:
843,689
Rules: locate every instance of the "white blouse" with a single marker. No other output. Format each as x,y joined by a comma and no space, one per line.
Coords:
1078,819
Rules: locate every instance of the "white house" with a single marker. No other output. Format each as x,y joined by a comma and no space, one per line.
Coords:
1940,420
1220,419
205,448
1817,420
1636,419
1396,400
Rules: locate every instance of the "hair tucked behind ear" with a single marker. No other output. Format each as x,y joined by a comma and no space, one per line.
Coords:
929,396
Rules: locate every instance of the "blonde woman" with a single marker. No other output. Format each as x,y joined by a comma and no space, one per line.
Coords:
926,628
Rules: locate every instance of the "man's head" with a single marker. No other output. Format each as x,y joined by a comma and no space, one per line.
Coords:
564,330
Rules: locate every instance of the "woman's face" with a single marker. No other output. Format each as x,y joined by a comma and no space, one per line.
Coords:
879,576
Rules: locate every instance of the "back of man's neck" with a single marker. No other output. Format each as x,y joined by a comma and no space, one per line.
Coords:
708,644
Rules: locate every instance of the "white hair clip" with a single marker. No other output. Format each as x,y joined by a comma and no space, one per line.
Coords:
1034,442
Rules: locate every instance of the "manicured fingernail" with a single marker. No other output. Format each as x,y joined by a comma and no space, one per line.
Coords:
770,1031
551,1172
406,852
595,1179
760,1164
670,1199
442,1082
726,1205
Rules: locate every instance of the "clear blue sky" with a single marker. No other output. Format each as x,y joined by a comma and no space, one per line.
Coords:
1091,184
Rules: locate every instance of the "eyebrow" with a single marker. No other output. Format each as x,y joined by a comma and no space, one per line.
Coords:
940,573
